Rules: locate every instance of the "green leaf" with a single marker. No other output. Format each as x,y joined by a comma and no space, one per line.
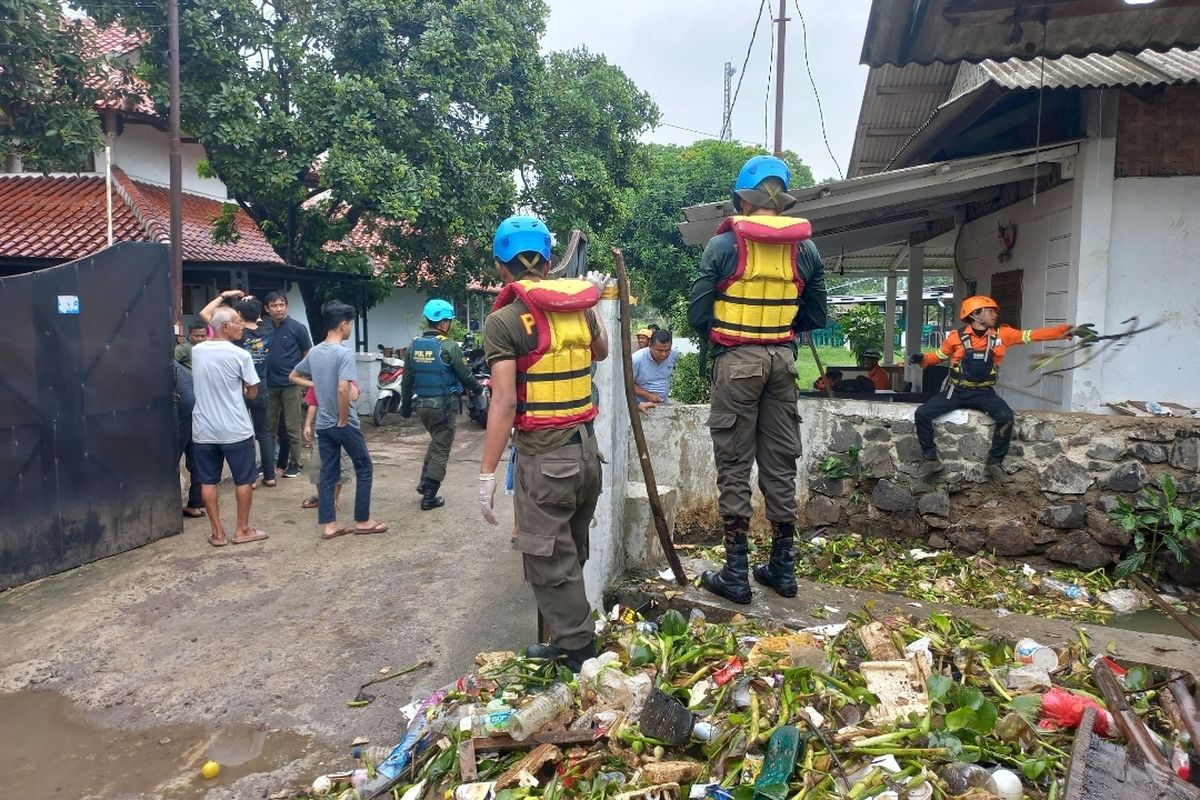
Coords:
941,622
972,698
640,655
959,718
985,718
1031,769
1135,679
673,624
1028,706
938,686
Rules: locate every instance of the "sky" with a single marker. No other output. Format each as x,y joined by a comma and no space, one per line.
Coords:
676,50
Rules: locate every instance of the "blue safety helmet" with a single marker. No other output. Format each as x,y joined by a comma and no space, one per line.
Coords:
521,234
758,169
438,310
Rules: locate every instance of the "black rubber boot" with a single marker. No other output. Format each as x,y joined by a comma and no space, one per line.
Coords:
571,659
424,480
733,581
430,500
780,572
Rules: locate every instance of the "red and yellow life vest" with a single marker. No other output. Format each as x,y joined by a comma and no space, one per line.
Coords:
757,303
554,381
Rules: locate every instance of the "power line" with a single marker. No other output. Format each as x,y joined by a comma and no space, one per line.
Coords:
770,69
746,60
817,94
704,133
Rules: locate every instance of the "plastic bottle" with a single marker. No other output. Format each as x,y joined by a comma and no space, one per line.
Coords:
374,753
1067,590
960,777
545,707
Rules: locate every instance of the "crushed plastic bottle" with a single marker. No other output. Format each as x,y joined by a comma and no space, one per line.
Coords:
961,777
1067,590
530,719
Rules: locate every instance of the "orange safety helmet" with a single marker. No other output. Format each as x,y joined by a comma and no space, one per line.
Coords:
974,303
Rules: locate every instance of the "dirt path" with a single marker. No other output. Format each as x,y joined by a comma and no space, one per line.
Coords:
273,636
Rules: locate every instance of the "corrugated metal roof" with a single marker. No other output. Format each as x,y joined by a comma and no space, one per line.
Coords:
896,102
1177,65
926,31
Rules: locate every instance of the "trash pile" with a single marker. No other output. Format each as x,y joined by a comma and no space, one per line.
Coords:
945,576
882,706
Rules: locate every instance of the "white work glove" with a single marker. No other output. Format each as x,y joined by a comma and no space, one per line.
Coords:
598,279
487,497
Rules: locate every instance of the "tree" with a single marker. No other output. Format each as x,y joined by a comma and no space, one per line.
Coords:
50,87
679,177
588,165
403,121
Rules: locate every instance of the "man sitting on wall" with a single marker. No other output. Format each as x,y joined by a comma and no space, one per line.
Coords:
878,375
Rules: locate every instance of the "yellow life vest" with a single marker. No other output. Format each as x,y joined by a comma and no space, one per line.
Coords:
757,303
554,380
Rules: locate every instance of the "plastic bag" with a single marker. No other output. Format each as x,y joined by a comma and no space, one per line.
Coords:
614,689
1065,709
1124,601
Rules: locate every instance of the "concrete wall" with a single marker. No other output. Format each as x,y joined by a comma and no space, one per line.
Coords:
1069,469
1154,274
1043,252
394,323
142,150
606,562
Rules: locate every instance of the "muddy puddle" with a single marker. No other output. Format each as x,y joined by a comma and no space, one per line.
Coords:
49,748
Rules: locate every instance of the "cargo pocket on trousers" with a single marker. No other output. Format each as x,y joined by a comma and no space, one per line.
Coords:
559,484
538,561
721,420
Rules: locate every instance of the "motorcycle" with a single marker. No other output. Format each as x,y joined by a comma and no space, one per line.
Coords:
478,402
391,372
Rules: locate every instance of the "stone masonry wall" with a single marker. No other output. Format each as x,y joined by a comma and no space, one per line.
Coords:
1069,470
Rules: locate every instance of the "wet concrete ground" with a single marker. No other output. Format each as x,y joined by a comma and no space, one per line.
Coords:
136,669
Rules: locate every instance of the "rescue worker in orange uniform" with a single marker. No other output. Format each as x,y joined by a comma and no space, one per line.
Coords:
878,375
761,281
975,353
540,341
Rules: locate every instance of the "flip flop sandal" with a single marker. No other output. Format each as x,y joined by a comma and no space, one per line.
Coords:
257,536
310,502
378,527
196,512
217,542
269,482
337,533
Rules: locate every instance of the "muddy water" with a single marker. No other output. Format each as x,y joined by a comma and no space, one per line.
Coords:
1152,621
50,749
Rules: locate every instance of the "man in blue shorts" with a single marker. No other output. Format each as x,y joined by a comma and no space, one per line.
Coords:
224,377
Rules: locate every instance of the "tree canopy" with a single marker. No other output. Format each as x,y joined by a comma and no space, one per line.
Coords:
50,87
678,177
402,120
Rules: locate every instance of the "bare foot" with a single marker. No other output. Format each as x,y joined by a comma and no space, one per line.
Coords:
370,526
333,530
249,535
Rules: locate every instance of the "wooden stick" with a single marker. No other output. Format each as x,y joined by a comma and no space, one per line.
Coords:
1186,705
635,421
1165,607
820,367
1129,722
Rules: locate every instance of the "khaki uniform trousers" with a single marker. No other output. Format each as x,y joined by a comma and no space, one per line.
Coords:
753,417
438,420
554,499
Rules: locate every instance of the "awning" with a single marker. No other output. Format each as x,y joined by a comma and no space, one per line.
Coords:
874,210
924,31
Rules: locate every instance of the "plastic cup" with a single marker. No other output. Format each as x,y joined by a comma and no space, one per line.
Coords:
1037,654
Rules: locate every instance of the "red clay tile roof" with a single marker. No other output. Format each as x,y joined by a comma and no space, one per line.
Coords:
64,218
122,91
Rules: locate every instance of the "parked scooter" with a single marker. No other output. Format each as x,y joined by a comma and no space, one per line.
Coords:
391,372
478,402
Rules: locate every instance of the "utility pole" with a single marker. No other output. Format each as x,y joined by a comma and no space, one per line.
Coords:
779,48
176,169
726,121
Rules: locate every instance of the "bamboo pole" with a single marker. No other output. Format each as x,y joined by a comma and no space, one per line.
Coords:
1186,705
820,367
635,422
1129,722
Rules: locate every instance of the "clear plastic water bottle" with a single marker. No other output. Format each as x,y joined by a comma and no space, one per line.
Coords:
1067,590
545,707
374,754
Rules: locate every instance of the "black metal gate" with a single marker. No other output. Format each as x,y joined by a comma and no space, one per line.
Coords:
88,460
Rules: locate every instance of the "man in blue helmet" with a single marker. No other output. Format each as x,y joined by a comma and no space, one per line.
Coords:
434,376
541,339
761,282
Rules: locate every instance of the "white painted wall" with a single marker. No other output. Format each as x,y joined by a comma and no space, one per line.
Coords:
1043,252
394,323
1154,274
143,152
606,556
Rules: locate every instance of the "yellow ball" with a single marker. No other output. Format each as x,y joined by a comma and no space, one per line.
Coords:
210,770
